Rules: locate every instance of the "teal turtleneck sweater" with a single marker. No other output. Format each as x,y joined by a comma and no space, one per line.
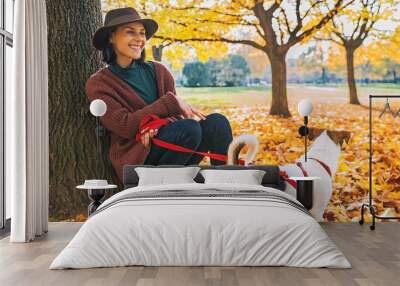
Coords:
142,78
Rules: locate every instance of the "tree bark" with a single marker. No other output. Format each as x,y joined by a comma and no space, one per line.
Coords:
279,102
350,76
72,59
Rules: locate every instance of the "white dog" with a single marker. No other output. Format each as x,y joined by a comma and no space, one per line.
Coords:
322,161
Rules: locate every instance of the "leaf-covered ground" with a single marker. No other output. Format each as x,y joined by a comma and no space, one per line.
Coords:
281,144
248,111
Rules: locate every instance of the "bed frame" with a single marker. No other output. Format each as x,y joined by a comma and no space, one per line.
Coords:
271,178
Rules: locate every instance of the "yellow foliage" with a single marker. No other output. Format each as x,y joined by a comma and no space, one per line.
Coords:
347,29
256,60
280,144
203,25
80,218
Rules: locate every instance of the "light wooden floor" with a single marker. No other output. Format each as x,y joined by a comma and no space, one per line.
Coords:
375,257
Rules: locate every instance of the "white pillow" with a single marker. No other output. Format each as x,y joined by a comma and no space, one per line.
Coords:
248,177
163,176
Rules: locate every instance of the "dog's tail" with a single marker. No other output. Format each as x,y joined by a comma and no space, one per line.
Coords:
237,145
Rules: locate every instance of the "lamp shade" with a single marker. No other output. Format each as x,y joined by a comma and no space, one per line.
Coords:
98,107
305,107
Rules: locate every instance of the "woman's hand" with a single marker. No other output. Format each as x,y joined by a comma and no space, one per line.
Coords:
188,111
146,137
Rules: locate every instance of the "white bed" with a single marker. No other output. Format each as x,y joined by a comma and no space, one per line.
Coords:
185,230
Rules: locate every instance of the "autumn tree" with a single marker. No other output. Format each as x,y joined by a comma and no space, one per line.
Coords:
272,27
314,60
386,56
350,29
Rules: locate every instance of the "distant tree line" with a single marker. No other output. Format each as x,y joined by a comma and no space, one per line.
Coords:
309,68
232,71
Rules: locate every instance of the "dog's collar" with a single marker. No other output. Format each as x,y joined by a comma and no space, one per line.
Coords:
305,174
293,183
325,166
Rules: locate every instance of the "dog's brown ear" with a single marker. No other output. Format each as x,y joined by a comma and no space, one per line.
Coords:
314,132
339,137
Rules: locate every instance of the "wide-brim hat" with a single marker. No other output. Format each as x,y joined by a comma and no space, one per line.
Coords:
118,17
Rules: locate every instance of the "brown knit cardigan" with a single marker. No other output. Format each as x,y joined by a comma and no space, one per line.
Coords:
125,109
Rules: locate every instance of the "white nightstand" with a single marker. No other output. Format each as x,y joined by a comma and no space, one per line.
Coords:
304,186
96,190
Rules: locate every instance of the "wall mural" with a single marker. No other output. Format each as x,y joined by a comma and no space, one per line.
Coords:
233,77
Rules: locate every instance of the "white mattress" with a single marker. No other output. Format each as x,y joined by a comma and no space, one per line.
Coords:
200,231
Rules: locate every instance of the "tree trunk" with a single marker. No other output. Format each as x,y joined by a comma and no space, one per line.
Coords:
323,76
72,59
279,103
350,76
157,52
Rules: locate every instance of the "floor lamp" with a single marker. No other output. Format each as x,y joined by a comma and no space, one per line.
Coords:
305,108
98,108
96,188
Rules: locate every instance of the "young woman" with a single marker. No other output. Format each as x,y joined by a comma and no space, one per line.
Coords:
133,88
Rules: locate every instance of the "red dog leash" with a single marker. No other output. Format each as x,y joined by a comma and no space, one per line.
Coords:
293,183
285,176
152,121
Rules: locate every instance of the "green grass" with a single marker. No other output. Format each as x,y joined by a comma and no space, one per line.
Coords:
224,96
242,96
382,86
236,89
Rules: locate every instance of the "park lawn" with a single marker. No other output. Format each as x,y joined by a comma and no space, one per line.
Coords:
224,96
248,96
248,112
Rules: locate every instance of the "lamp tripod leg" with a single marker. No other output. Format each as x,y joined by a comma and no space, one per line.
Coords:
305,144
305,137
97,144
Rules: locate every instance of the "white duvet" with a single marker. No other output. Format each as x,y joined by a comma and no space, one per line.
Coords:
200,231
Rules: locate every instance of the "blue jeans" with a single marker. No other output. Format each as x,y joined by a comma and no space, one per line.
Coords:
213,134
